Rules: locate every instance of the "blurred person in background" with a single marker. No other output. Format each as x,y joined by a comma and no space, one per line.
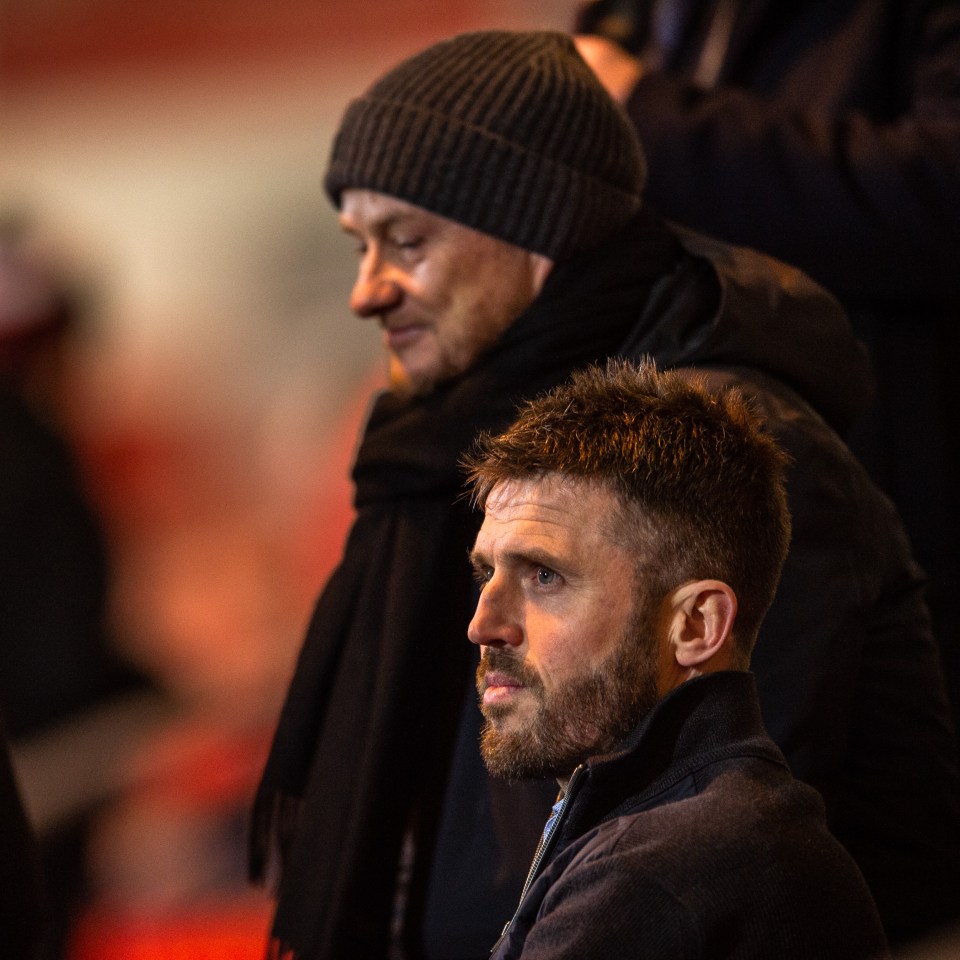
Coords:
57,658
57,663
826,133
21,905
494,193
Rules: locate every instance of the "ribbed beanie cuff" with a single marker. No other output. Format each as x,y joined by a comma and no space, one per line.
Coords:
507,133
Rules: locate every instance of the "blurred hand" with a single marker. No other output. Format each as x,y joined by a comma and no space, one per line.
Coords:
616,69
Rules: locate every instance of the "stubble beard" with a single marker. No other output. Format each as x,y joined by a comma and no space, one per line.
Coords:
586,716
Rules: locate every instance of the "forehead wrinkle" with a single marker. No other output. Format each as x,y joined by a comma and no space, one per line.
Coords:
527,530
558,494
519,537
377,222
381,210
520,528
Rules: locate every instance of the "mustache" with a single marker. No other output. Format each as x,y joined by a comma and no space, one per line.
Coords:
508,665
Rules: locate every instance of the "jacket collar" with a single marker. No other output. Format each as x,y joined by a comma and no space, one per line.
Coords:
703,721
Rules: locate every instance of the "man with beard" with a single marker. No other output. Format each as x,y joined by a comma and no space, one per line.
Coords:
493,190
634,531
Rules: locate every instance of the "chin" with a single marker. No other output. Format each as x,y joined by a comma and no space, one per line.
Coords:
410,382
416,383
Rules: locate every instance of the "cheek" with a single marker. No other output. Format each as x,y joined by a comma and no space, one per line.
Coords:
458,296
553,649
477,288
473,319
589,639
433,286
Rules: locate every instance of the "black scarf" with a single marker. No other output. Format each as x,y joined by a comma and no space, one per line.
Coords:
362,747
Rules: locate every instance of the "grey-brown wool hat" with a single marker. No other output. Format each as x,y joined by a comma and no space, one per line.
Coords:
508,133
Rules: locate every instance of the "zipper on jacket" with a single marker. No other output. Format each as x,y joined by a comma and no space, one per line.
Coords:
543,848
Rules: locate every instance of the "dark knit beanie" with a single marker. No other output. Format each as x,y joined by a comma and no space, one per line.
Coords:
507,133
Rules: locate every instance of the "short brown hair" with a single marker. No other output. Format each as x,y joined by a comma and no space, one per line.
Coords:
700,482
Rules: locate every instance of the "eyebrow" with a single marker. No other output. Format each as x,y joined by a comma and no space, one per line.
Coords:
532,557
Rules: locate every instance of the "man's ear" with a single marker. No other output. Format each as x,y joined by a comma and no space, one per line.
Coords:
701,625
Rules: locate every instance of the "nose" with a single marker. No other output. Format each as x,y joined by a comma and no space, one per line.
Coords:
493,623
374,291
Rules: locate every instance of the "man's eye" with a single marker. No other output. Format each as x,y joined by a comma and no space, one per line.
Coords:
546,576
483,575
407,243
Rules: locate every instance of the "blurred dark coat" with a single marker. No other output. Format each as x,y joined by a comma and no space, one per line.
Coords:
21,908
55,655
827,133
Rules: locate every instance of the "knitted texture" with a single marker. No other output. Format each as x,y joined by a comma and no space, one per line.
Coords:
508,133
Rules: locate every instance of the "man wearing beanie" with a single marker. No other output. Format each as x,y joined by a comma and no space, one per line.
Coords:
495,194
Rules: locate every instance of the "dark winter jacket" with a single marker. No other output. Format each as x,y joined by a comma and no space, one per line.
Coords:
364,745
827,133
693,841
